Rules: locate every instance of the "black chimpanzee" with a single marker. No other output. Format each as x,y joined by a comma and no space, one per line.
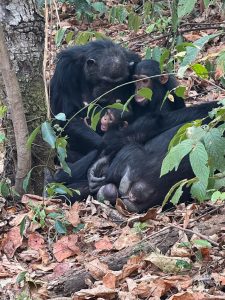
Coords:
139,184
111,119
151,134
84,73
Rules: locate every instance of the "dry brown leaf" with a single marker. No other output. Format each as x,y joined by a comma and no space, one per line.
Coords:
128,238
60,269
120,206
219,278
103,244
177,250
66,247
36,241
4,272
126,296
131,284
12,241
188,296
41,267
73,214
165,263
99,291
44,256
29,255
111,279
96,268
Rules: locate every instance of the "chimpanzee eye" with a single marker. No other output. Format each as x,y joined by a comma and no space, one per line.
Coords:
145,80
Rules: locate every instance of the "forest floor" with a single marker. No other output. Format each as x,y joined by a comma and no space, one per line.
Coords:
93,251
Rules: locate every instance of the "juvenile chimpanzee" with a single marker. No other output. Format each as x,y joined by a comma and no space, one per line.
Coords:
160,84
84,73
111,119
143,134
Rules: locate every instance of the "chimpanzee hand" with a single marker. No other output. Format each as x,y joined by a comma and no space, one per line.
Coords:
96,173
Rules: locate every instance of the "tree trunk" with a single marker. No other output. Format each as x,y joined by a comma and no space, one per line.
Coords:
24,32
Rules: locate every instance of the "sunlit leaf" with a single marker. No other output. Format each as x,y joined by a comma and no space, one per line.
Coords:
60,117
26,181
33,136
145,92
59,36
200,70
48,134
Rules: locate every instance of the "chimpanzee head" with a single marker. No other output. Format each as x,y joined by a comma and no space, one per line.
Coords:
143,71
114,119
105,68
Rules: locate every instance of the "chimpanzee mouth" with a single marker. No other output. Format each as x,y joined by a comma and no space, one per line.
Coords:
103,128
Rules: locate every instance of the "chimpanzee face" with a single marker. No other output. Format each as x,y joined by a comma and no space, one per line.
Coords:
107,119
143,82
104,73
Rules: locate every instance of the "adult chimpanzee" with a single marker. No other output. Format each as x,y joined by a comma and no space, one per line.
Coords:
145,132
84,73
139,183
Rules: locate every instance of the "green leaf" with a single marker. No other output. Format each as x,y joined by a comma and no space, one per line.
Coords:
83,38
21,277
26,181
78,227
22,226
48,134
2,137
175,155
215,147
199,163
117,105
180,91
184,244
218,196
33,136
134,21
172,189
196,134
185,7
198,191
60,227
145,92
4,189
156,53
200,70
179,136
99,7
202,243
150,28
59,36
60,117
3,110
176,197
164,56
69,36
183,264
206,2
55,215
95,119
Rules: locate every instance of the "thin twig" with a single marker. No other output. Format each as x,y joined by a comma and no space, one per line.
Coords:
45,60
197,233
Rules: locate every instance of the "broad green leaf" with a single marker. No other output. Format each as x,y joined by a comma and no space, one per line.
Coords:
150,28
55,215
117,105
175,155
2,137
59,36
218,196
145,92
3,110
180,135
215,147
202,243
175,21
21,277
95,119
199,163
183,264
198,191
195,134
4,189
148,53
33,136
83,38
182,47
61,189
173,189
26,181
184,244
156,53
48,134
60,117
180,91
60,227
164,56
134,21
99,7
200,70
69,37
185,7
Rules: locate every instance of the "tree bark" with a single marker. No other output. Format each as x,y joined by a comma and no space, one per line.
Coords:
17,113
24,31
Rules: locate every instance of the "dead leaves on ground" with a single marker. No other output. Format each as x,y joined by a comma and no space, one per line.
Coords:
41,254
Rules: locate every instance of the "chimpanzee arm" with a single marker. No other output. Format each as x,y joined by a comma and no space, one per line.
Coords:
153,124
81,137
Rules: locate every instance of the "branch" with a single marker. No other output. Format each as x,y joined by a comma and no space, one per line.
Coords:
17,113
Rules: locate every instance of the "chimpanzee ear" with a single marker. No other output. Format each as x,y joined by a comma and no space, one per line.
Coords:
91,62
164,78
125,124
